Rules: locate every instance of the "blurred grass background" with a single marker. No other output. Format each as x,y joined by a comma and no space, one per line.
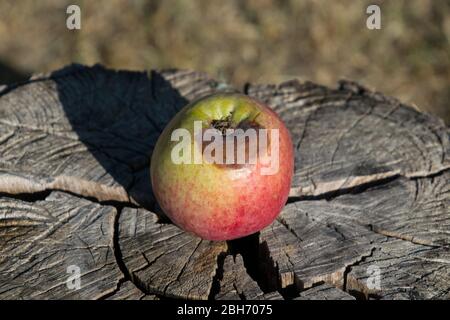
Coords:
262,41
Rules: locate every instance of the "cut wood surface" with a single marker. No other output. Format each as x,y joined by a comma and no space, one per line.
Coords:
236,283
368,215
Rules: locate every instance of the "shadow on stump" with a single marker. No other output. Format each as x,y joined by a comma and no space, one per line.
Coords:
119,116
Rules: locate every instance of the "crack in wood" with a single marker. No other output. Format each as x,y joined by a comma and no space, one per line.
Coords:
390,234
348,268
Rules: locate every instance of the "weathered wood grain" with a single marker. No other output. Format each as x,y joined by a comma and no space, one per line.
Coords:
308,247
128,291
88,130
324,292
406,271
166,260
371,190
349,136
236,284
41,241
415,210
319,240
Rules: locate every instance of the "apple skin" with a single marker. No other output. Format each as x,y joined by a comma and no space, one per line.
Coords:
216,202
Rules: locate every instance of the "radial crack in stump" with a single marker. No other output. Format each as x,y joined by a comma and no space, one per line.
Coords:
87,130
32,161
44,244
164,259
236,284
379,166
350,136
413,210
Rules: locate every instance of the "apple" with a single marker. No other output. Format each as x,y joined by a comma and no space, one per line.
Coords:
222,167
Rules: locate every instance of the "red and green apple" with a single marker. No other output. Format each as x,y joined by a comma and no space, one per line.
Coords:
201,182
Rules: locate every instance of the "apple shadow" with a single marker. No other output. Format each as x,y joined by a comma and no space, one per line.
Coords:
118,116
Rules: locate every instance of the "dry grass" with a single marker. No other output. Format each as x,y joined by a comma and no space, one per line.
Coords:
255,41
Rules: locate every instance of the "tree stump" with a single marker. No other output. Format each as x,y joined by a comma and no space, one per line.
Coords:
368,214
